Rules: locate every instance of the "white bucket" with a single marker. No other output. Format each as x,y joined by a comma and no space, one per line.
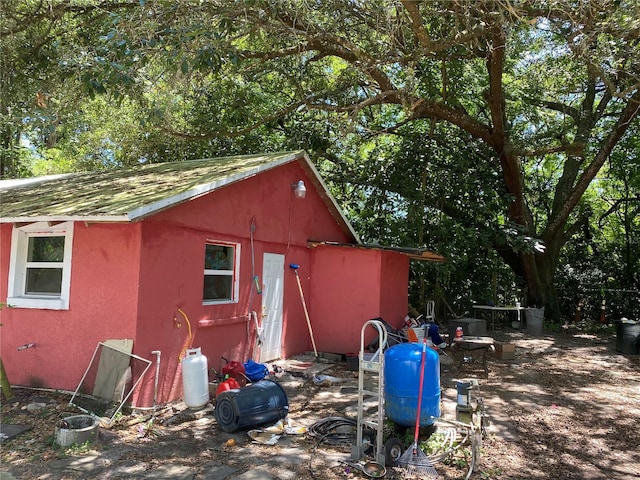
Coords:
195,379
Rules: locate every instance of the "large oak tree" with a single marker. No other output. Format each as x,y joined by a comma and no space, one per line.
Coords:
548,87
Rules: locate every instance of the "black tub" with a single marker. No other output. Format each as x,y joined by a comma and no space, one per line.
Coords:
256,404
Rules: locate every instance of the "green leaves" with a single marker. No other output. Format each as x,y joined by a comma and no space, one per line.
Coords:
455,125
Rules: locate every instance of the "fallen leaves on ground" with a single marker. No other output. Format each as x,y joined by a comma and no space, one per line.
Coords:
571,400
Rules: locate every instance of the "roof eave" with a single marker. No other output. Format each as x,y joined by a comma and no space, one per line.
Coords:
413,253
65,218
331,201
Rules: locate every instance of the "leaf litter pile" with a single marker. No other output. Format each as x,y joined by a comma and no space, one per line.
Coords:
567,406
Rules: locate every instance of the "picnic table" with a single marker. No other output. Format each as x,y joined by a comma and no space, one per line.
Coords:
493,309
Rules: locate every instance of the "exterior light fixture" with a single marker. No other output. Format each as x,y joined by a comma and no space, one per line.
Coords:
299,190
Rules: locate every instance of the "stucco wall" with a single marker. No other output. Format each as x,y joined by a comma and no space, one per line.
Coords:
144,280
173,245
103,305
394,294
350,286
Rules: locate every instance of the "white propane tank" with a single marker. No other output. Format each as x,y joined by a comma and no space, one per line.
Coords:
195,379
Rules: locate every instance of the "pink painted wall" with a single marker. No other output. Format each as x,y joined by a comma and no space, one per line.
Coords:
66,339
173,245
350,286
394,292
144,281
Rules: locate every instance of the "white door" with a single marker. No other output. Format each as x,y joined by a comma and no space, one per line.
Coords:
272,300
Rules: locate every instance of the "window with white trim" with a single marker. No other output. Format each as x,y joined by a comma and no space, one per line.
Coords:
40,266
221,264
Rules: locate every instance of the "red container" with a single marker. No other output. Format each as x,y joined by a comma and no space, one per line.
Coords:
235,370
228,384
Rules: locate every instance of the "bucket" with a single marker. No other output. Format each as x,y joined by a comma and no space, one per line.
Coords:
195,379
416,334
256,404
628,337
463,388
402,384
535,320
77,429
353,360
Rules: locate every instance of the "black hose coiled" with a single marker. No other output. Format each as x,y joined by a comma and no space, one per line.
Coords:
334,430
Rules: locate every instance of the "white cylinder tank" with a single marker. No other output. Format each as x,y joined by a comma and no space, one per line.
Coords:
195,379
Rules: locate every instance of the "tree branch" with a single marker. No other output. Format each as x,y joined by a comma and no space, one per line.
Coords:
236,133
615,207
53,12
575,148
558,107
630,112
424,108
417,27
496,100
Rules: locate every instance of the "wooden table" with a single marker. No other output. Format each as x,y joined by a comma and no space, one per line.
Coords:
469,344
494,309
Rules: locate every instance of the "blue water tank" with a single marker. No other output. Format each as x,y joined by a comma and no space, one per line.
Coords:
402,383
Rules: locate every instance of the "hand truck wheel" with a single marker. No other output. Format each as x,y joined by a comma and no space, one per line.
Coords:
393,450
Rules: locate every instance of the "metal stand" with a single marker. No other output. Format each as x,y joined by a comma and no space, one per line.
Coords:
373,369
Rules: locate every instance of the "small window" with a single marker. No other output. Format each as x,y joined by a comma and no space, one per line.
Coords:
45,262
40,266
220,273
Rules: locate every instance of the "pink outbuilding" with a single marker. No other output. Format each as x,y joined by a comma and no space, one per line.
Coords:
173,256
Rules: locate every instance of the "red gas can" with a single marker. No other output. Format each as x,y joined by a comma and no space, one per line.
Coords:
228,384
235,370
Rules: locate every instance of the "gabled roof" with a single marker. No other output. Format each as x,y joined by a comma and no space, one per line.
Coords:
131,194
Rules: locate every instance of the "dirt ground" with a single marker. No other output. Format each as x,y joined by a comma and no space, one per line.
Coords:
566,407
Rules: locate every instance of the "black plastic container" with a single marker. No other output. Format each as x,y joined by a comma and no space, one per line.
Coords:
628,338
251,406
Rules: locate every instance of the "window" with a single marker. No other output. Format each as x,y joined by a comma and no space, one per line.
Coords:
220,273
40,266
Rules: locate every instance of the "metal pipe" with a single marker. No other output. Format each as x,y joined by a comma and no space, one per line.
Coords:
155,385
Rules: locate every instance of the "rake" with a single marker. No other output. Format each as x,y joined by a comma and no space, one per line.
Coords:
413,460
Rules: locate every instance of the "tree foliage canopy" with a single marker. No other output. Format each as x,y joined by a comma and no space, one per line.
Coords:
494,115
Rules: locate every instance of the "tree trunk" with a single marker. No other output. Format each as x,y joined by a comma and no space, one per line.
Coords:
4,382
537,271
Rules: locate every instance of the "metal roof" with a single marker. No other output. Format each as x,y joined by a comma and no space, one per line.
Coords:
414,253
130,194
